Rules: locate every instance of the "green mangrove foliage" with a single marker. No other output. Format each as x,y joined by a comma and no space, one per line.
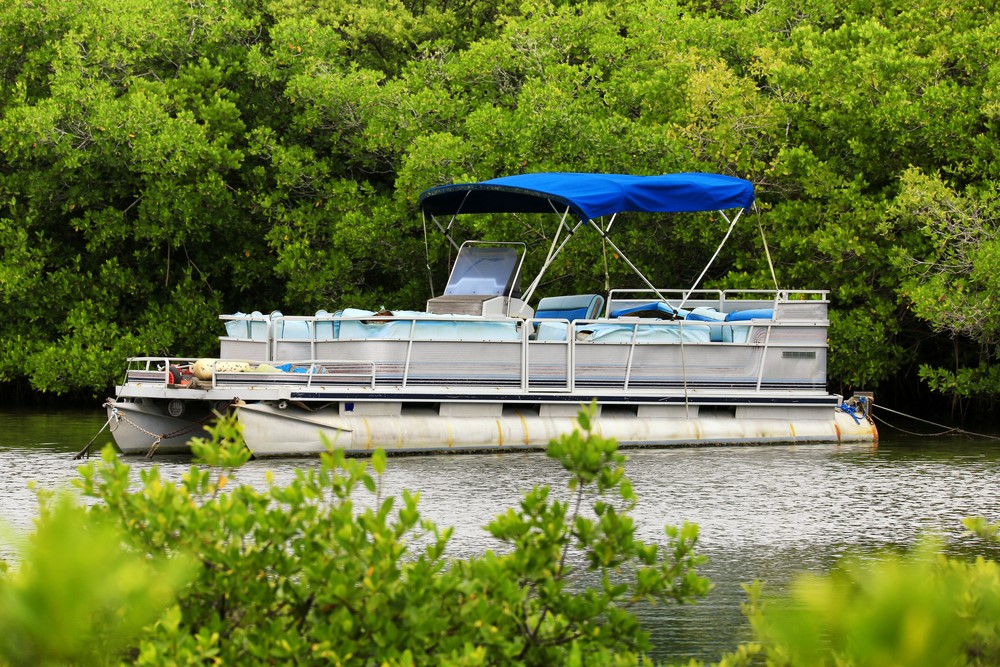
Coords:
161,162
325,570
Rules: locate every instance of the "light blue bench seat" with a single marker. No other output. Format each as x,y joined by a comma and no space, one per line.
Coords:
649,331
570,307
246,327
718,324
465,328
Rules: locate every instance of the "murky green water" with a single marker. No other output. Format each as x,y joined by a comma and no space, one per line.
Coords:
765,512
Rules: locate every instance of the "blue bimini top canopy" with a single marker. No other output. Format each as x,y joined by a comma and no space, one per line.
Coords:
591,196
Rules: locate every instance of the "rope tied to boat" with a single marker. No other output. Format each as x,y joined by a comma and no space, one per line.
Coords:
85,452
857,408
948,430
118,417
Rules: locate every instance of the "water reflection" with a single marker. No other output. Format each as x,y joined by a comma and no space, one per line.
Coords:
765,512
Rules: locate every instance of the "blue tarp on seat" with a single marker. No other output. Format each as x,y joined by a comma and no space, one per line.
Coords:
654,332
654,308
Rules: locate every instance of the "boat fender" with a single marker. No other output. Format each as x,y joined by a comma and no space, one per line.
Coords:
232,367
202,369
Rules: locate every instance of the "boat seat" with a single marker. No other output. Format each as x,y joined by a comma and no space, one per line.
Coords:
247,327
485,271
718,333
727,333
238,328
292,329
570,307
326,328
258,326
751,314
655,309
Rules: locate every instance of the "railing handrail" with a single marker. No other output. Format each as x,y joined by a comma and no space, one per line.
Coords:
401,366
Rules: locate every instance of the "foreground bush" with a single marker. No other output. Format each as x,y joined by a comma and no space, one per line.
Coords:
206,571
77,597
915,609
304,574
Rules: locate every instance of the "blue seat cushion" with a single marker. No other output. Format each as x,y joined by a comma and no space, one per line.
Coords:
570,307
652,309
719,333
703,314
751,314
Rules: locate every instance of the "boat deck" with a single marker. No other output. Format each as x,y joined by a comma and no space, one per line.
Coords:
363,352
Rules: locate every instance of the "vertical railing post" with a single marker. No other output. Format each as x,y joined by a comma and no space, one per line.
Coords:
763,356
409,351
631,355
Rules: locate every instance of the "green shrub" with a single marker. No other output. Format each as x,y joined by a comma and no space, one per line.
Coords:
206,571
305,574
915,609
77,597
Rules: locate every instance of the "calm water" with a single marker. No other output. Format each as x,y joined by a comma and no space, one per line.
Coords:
765,512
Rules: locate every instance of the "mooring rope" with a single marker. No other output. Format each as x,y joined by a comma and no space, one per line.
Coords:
949,430
118,417
856,408
86,450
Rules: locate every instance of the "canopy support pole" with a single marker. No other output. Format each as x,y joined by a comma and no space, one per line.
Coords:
553,253
427,252
729,231
447,230
767,251
624,257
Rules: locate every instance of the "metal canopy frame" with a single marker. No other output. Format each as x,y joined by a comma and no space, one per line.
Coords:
567,194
